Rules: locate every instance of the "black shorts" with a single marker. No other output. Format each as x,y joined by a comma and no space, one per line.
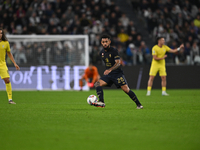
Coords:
118,79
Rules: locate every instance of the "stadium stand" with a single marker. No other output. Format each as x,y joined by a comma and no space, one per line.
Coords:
178,21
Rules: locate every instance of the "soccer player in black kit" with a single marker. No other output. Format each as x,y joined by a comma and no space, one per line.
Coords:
112,74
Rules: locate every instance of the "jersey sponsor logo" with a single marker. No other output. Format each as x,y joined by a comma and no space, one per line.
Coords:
154,52
164,50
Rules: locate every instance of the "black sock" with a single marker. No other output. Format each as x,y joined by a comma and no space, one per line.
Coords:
132,95
99,91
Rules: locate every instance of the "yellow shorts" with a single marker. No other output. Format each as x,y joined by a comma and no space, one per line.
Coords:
154,69
4,73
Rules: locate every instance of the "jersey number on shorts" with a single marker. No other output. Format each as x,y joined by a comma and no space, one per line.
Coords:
121,80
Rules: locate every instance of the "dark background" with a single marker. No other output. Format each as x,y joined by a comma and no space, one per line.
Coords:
178,77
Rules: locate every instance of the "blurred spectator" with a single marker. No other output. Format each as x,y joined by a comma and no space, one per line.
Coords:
94,55
84,21
124,20
6,20
119,26
69,14
144,54
34,19
122,54
20,12
96,13
138,41
188,52
14,49
54,19
197,21
96,41
181,59
49,12
97,28
195,53
131,53
59,58
20,56
123,37
113,19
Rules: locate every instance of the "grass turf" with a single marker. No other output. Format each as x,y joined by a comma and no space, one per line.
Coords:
48,120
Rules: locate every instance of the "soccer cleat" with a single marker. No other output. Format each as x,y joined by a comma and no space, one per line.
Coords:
165,94
148,93
11,102
99,104
140,107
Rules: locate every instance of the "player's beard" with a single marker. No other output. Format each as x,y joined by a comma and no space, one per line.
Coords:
107,48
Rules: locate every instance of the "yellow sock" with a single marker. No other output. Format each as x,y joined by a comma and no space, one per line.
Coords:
163,88
9,90
148,88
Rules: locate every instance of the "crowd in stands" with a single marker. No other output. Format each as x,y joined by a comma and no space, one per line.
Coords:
177,21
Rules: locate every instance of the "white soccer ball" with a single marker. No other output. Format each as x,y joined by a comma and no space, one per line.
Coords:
91,99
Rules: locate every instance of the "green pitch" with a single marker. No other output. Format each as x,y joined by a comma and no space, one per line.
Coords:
55,120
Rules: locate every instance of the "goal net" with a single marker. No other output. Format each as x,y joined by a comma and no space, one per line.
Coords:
48,61
50,49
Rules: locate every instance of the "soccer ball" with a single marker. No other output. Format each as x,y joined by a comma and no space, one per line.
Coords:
91,99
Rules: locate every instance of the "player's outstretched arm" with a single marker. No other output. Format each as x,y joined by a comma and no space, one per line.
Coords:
13,60
177,49
115,66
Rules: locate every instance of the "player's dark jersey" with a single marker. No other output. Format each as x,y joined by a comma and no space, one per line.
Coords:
109,58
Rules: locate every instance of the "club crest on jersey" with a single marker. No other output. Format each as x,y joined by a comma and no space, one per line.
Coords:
2,45
109,55
163,49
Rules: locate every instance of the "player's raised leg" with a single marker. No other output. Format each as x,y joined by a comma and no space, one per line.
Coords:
99,91
9,90
163,84
132,95
150,83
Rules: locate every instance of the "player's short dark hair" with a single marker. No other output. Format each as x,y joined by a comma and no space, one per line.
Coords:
158,38
105,36
3,38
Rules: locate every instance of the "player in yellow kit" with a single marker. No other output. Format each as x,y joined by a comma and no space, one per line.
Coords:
158,64
5,48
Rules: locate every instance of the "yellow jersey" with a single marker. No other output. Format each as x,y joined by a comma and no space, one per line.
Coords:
4,47
159,52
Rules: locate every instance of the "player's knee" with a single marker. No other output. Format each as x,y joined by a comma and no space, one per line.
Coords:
125,89
151,78
6,80
163,78
97,84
